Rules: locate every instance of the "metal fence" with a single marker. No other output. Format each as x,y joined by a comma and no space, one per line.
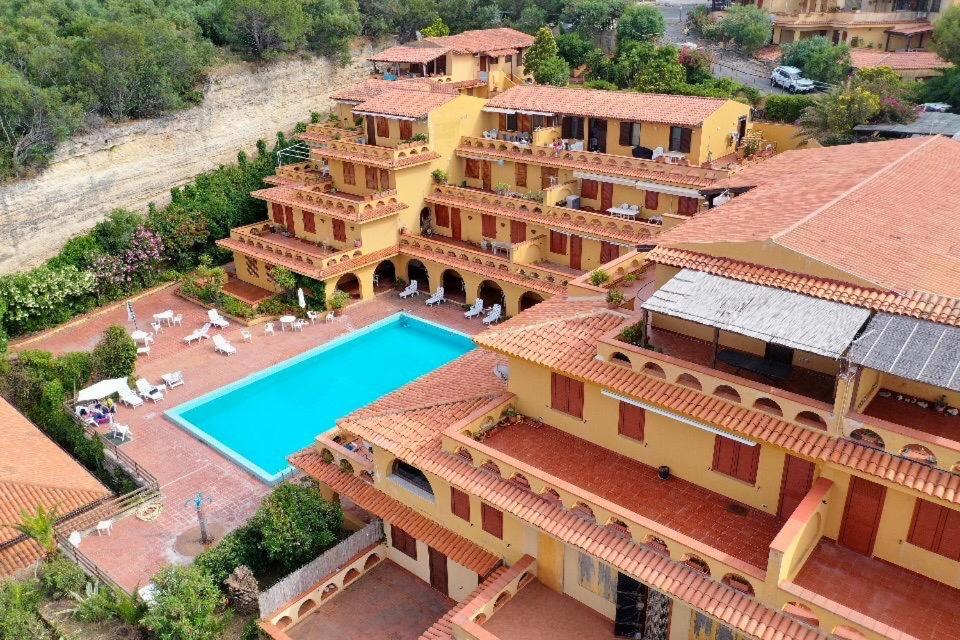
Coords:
326,564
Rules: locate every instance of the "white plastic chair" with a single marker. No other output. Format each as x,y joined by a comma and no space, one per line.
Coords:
436,298
221,345
411,290
475,310
494,315
172,380
268,329
105,527
177,319
157,328
246,335
147,390
298,325
120,431
313,316
217,320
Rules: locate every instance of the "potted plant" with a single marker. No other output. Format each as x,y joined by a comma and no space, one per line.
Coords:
439,176
501,188
941,404
338,301
614,298
599,277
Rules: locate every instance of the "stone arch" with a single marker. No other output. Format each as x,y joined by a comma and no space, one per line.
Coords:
738,582
350,576
372,559
768,406
417,271
306,607
366,476
727,392
385,275
525,579
491,467
350,284
618,357
501,600
656,544
453,285
811,419
801,612
464,453
530,299
328,591
919,453
697,563
688,380
655,370
583,511
868,438
521,481
491,293
412,474
284,622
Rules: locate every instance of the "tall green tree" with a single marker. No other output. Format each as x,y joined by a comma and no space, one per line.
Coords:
748,26
946,35
334,25
592,16
819,59
544,47
553,71
640,22
574,48
436,29
831,119
943,88
263,29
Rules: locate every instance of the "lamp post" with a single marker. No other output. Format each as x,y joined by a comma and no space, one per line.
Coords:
199,502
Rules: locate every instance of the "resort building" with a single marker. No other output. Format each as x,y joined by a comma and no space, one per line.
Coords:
765,446
47,476
909,65
505,199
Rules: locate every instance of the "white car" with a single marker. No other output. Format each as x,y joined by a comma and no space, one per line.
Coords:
791,79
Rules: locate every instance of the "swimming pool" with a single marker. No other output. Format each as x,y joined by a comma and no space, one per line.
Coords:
262,419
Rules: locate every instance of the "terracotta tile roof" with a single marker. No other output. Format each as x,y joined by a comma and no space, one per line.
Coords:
618,105
48,476
413,53
896,60
373,87
916,304
455,547
304,268
287,195
484,40
442,629
404,103
909,29
882,212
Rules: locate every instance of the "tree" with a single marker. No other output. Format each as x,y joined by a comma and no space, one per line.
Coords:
531,19
554,71
946,35
407,16
296,524
831,119
662,72
640,22
435,29
334,25
184,232
115,233
698,64
115,356
592,16
186,606
748,26
819,59
943,88
543,48
40,526
574,48
894,93
262,29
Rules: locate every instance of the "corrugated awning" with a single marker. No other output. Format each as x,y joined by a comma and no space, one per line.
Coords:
773,315
913,349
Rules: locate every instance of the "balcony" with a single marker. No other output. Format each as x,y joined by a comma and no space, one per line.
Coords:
327,201
847,18
350,145
306,174
318,133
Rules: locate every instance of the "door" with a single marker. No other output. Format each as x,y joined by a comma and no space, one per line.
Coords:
485,169
438,570
630,615
797,479
576,251
742,126
861,515
455,224
598,135
371,131
339,230
518,231
606,196
288,211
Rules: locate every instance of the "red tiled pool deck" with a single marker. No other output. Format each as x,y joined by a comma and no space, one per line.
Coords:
906,601
682,506
539,613
184,465
386,603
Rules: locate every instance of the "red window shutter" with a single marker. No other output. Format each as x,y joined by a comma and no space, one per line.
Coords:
609,251
521,174
576,398
748,459
339,230
277,210
403,541
589,189
460,504
383,127
384,179
472,169
525,124
626,129
502,122
686,137
492,520
309,222
725,456
488,224
687,206
651,200
518,231
349,173
631,421
925,528
442,215
558,392
545,174
558,242
370,175
950,538
406,129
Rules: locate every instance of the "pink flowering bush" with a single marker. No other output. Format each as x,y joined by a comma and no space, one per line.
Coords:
136,266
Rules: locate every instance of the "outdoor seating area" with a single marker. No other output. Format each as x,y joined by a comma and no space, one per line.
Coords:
569,619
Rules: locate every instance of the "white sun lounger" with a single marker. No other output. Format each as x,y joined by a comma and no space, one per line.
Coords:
198,334
217,320
129,398
494,314
411,290
222,345
172,380
436,298
475,310
147,390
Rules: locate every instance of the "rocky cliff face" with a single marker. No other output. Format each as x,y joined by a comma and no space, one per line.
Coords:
133,164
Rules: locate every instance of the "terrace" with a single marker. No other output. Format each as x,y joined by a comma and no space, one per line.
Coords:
352,146
326,200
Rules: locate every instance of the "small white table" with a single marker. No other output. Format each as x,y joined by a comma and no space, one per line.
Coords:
164,316
623,212
287,320
141,336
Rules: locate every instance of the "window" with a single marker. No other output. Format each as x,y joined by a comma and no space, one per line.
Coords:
511,123
370,176
412,475
406,129
521,174
548,177
460,504
349,173
403,541
680,139
384,179
589,189
339,230
442,215
687,206
629,134
736,459
309,222
472,169
492,520
566,394
558,242
651,200
935,528
383,127
609,251
572,127
518,231
488,225
631,421
277,210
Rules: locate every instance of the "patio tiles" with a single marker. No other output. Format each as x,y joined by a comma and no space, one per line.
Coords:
182,464
536,603
909,415
386,603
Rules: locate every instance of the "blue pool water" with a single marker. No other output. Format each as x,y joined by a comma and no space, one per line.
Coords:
262,419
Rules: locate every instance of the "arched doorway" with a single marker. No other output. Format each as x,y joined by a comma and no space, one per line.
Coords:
384,276
453,287
416,271
349,284
529,299
425,218
491,294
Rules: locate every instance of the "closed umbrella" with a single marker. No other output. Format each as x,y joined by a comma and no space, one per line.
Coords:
101,389
300,299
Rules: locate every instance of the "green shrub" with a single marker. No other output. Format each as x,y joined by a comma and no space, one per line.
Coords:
115,356
284,278
60,576
296,525
338,300
95,603
18,612
748,26
439,176
275,306
599,277
786,108
241,546
186,606
238,308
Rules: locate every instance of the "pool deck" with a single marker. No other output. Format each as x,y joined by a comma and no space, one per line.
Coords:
184,465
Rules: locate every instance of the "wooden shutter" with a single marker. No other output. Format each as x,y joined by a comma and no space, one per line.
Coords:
384,179
589,189
626,133
370,176
558,242
288,214
525,123
686,137
935,528
651,200
309,222
383,127
403,541
521,174
349,173
545,174
558,391
339,230
725,456
609,251
566,394
518,231
492,520
488,225
442,215
277,210
687,206
631,421
748,458
472,169
502,121
406,129
460,504
575,394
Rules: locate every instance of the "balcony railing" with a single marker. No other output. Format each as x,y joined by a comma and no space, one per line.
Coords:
848,18
468,621
403,155
323,199
301,173
355,461
303,257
